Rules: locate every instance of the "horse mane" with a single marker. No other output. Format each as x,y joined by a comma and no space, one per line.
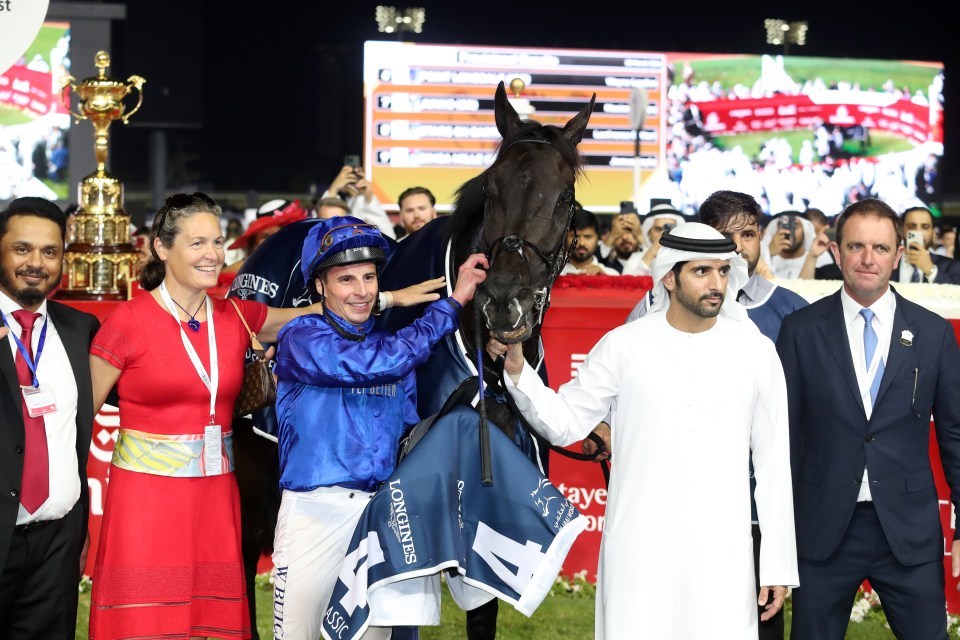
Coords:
470,200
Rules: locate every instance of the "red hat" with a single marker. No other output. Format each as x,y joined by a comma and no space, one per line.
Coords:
276,213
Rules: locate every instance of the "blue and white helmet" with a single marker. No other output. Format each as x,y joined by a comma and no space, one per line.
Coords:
341,241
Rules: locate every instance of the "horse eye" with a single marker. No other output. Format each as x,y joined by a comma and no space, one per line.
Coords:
567,196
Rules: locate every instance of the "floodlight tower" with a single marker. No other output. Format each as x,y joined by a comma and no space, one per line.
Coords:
400,20
786,33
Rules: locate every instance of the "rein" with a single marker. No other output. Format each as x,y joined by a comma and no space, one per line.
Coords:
554,261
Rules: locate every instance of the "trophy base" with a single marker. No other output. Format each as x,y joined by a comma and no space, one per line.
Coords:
89,296
89,247
99,272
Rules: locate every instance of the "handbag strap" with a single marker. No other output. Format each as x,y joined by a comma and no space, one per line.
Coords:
253,337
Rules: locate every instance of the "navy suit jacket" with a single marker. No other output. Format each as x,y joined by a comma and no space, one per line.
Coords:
948,269
76,330
831,439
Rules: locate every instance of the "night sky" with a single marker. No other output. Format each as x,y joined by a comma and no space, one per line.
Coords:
268,96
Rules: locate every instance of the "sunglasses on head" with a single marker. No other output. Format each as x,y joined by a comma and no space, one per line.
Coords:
182,201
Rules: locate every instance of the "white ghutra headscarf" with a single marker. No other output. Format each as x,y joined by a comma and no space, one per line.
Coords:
697,241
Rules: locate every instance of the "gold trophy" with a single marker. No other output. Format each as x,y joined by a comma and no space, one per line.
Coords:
100,261
520,104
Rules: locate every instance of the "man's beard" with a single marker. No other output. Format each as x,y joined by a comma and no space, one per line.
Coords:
581,255
29,295
696,306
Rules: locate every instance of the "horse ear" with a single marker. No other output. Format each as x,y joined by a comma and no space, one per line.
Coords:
508,121
574,129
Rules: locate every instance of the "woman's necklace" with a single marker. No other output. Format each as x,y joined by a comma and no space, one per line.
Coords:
193,323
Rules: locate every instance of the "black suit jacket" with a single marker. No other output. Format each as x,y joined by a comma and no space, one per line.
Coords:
948,269
831,439
76,330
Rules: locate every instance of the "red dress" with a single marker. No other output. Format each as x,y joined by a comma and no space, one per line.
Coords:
169,562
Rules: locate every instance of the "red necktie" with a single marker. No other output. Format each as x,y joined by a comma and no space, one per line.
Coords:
35,483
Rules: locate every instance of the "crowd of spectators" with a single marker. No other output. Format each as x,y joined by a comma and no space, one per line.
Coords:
795,244
821,174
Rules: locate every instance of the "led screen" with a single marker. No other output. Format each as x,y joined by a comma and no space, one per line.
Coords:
795,132
33,124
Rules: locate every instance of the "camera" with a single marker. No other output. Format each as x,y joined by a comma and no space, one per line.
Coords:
788,223
914,237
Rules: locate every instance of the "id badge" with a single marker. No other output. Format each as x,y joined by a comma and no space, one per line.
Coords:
39,400
212,450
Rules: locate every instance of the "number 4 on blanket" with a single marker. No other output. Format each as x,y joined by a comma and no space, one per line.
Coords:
508,540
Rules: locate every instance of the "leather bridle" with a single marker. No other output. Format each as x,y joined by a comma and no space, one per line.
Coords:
554,260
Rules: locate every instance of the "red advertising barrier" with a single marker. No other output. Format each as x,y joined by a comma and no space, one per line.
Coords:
577,319
843,108
27,90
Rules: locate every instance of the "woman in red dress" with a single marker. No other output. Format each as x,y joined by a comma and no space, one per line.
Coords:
169,561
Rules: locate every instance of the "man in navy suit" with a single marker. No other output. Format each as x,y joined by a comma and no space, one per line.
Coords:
919,263
865,368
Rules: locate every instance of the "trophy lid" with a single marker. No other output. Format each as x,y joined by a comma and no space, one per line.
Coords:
101,61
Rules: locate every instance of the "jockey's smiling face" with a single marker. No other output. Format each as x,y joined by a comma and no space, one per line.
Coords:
351,290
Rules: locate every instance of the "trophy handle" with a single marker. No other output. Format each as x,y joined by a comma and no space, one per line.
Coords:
68,83
136,82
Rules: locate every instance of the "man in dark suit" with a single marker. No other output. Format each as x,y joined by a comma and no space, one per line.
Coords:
864,369
47,420
919,263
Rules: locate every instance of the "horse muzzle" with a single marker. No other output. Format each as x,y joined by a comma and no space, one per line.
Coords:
508,320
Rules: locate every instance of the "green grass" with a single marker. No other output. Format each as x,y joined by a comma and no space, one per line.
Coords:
43,43
868,73
62,189
10,116
568,616
880,142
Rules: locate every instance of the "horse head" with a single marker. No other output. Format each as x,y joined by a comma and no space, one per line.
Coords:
528,195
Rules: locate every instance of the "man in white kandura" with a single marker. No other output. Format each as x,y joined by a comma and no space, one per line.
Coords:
676,558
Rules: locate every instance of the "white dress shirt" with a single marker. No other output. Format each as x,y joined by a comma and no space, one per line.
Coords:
570,269
907,270
787,268
634,265
883,309
61,425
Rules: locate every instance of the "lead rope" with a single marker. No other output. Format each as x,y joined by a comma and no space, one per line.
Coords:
486,461
573,455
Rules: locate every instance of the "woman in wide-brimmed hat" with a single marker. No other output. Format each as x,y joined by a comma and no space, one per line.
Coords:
271,217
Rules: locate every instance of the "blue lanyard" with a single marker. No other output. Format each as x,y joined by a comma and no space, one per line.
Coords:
33,363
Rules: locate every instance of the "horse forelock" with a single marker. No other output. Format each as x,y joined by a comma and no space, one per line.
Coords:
470,199
533,130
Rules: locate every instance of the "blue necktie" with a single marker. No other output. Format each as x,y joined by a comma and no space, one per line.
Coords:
869,347
916,277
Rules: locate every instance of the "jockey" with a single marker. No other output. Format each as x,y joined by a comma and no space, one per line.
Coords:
346,393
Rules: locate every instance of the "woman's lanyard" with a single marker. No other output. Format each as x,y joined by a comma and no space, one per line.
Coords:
213,380
33,363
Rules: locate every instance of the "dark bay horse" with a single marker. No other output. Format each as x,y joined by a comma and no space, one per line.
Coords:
517,211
